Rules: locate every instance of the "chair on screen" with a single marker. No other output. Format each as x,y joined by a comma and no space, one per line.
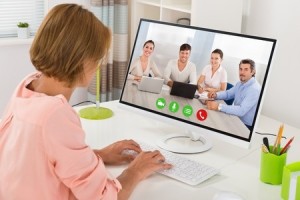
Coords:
229,101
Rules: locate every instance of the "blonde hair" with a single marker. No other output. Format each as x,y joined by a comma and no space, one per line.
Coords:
68,37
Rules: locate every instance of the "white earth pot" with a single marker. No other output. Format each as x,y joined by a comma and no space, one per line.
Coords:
23,33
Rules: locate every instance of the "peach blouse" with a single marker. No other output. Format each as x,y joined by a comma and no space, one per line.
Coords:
43,154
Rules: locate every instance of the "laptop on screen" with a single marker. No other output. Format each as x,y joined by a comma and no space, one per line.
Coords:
150,84
185,90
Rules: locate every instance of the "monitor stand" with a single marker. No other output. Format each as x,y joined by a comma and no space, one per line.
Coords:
190,142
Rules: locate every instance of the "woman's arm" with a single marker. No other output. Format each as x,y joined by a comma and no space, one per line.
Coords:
167,73
134,71
142,165
145,164
114,153
222,88
193,73
155,69
200,83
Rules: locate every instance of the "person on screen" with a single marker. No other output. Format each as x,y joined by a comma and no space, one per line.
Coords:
245,93
43,154
181,70
213,77
143,65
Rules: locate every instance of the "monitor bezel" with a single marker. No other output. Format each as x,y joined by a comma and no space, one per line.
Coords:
238,140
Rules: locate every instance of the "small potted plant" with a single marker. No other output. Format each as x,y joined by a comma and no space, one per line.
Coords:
23,30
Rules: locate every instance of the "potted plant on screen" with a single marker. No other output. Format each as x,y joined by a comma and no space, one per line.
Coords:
23,30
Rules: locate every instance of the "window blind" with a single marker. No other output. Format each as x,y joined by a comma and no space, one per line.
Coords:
14,11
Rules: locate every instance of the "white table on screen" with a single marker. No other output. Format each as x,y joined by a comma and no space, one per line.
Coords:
217,120
239,167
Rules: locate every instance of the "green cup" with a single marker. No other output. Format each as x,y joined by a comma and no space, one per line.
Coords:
271,167
290,188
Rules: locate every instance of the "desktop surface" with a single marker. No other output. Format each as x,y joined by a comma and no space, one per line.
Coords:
239,167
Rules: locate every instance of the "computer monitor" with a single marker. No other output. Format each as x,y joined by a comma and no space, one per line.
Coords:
192,114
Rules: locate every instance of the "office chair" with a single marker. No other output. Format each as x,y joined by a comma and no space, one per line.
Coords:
229,101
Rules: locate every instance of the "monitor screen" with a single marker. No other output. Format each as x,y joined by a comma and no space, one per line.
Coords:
206,80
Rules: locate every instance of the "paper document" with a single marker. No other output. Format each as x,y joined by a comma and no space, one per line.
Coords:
203,96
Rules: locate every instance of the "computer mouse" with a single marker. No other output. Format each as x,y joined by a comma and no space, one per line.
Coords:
227,195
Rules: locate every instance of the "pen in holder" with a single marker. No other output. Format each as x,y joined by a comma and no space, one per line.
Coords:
271,167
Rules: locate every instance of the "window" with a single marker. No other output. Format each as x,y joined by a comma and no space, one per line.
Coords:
14,11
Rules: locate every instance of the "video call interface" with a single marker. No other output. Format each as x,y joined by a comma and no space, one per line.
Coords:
168,38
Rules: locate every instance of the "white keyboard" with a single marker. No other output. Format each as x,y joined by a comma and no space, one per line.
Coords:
184,169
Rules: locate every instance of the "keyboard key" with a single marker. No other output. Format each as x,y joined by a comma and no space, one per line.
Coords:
184,169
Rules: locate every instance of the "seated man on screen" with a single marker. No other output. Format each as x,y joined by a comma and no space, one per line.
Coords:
245,93
181,70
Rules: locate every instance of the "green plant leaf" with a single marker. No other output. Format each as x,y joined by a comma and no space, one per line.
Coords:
23,25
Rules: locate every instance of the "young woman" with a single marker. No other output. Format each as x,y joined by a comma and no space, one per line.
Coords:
144,65
213,77
43,154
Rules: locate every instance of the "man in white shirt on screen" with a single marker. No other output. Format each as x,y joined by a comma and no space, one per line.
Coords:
181,70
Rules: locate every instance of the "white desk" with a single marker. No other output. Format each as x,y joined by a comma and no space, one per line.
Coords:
239,167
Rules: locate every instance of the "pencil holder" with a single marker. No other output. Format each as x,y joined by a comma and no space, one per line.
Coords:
271,167
290,189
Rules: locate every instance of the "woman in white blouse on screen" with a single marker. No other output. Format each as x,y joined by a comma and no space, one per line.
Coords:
143,65
213,77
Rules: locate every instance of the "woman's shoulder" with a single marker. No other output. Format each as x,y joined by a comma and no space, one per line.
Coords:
135,61
151,61
42,109
222,69
206,68
53,105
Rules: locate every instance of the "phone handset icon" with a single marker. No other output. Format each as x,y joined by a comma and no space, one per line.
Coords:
201,115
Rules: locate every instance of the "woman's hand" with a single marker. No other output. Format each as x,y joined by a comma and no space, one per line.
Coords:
208,89
137,78
212,105
200,89
212,95
113,154
145,164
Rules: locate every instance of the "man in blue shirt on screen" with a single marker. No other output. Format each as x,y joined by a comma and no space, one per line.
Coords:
245,93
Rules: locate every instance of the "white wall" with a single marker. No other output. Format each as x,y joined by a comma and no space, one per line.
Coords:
268,18
279,20
207,13
15,64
